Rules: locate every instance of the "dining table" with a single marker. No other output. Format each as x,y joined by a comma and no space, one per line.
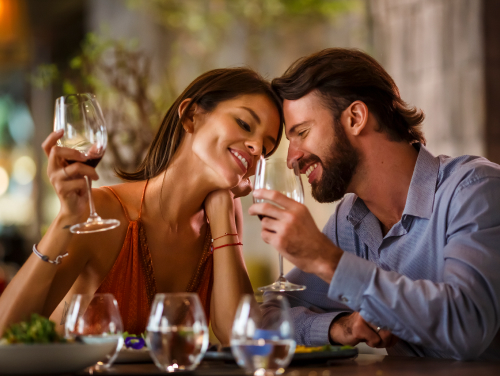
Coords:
362,365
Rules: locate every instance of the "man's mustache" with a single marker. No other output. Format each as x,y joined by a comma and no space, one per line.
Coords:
306,161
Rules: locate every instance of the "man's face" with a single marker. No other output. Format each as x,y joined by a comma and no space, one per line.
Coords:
320,145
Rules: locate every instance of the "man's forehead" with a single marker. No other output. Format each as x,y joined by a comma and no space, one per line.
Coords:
302,110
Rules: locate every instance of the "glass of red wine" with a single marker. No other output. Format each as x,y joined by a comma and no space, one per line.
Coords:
274,174
81,118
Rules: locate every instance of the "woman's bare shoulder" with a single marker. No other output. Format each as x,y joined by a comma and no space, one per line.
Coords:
129,195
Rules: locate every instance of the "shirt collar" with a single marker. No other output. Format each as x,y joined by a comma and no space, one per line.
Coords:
420,199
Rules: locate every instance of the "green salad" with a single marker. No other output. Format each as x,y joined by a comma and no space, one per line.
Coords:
37,329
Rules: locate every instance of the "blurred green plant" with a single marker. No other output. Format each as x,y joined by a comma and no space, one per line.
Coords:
119,73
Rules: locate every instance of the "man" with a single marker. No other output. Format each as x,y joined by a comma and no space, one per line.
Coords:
412,251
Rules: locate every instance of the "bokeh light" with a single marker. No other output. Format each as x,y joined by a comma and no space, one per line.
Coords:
4,181
21,124
24,170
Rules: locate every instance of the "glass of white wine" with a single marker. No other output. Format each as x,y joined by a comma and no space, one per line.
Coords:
274,174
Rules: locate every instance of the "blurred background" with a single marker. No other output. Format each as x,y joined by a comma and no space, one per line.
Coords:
137,56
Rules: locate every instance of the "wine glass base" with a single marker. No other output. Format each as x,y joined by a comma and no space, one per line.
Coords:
281,286
97,225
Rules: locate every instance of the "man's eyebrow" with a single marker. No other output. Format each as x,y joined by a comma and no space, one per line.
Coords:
252,112
292,129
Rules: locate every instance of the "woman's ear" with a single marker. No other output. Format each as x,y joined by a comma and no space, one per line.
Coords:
188,121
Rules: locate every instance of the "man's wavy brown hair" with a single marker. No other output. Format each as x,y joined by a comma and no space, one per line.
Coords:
342,76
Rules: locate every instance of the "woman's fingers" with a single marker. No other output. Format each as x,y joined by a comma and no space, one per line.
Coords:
77,171
77,186
51,141
58,155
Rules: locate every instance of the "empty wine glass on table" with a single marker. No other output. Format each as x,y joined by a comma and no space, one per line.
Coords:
177,333
81,118
96,320
274,174
263,344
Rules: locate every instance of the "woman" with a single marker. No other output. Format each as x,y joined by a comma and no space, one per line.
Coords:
181,197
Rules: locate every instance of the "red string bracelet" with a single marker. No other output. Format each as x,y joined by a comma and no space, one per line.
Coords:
225,245
225,234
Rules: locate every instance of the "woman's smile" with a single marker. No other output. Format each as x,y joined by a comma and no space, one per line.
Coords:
243,159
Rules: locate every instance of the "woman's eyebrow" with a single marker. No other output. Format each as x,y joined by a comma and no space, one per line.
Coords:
254,115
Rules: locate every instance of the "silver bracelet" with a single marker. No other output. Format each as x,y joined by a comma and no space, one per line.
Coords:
57,261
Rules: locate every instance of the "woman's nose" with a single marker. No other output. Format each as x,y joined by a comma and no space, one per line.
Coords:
254,148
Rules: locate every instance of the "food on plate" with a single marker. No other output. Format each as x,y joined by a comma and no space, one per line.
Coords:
300,349
133,341
37,329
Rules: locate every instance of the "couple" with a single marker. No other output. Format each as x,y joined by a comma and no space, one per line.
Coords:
407,260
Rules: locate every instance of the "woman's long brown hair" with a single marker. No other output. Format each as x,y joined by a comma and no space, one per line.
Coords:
207,91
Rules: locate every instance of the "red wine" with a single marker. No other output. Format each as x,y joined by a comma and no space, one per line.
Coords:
92,162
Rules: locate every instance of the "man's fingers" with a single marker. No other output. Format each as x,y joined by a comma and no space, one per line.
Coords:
266,209
274,196
388,339
364,332
51,141
270,224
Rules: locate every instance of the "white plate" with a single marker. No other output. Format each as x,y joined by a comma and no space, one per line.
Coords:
50,358
134,356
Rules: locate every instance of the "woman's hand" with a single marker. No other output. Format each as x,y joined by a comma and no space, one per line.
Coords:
219,207
242,189
68,180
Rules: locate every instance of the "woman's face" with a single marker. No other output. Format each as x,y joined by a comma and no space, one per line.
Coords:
230,139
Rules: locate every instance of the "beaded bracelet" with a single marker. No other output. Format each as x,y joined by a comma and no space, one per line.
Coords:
57,261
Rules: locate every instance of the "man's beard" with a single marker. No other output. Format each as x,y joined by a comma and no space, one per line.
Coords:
338,168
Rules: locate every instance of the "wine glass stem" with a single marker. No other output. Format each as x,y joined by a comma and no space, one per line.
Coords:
93,214
280,258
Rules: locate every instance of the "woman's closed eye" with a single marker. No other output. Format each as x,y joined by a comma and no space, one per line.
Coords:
243,125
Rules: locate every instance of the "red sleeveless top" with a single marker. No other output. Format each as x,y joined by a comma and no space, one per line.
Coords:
132,280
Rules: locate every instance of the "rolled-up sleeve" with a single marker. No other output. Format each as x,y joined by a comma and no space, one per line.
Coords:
458,317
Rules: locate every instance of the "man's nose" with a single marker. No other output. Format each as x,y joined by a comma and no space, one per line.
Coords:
294,155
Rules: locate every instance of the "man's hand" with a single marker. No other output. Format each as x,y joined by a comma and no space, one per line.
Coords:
353,329
290,229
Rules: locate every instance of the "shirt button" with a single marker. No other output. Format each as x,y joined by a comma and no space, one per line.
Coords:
344,299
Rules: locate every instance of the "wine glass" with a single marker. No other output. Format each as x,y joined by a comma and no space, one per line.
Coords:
177,333
81,118
262,342
96,320
274,174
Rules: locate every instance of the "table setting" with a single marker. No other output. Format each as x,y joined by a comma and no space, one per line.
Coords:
176,340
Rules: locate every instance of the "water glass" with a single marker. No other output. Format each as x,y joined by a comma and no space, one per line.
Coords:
96,320
262,340
177,333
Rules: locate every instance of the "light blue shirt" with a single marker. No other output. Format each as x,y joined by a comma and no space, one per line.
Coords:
433,280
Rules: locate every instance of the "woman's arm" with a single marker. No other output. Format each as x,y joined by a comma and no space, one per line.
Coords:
32,289
230,275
